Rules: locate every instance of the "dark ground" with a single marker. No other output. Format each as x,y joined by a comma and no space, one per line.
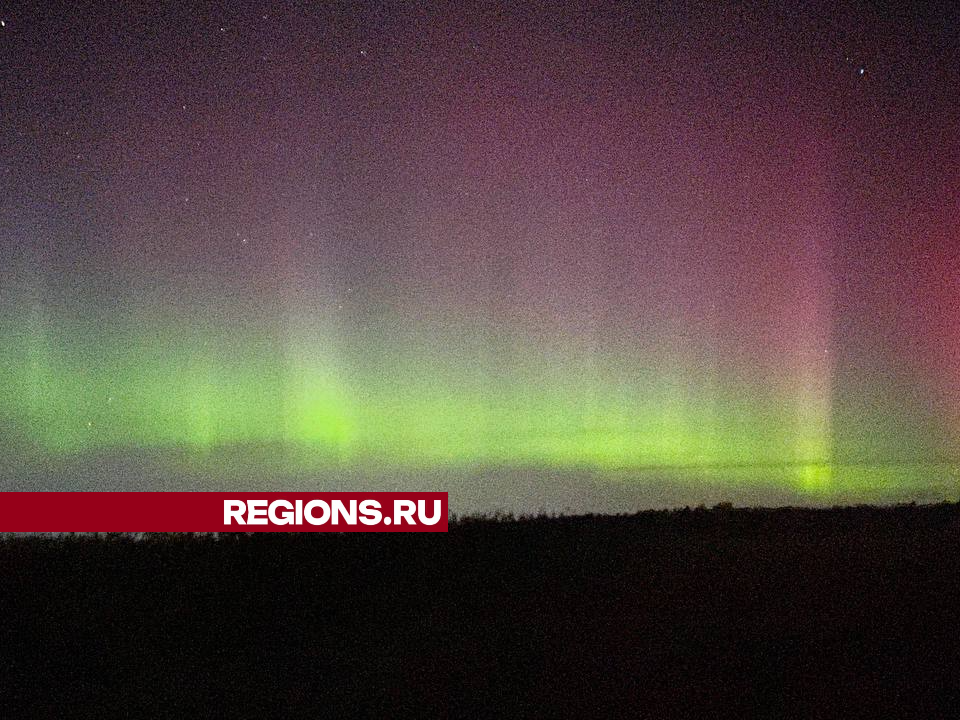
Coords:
830,613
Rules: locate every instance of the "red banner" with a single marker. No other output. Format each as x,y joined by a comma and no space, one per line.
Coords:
223,512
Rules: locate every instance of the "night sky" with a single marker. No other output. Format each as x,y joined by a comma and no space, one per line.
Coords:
576,256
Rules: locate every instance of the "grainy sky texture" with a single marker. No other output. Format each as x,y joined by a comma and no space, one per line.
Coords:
566,256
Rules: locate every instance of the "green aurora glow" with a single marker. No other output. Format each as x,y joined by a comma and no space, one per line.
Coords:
255,400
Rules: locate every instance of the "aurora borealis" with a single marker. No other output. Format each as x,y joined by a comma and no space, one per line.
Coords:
573,254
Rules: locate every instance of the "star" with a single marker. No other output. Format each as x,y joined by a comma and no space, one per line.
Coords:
862,71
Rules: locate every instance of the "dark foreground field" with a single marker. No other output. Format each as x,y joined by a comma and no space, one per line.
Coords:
829,613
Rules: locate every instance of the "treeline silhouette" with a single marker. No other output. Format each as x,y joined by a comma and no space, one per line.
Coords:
788,612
